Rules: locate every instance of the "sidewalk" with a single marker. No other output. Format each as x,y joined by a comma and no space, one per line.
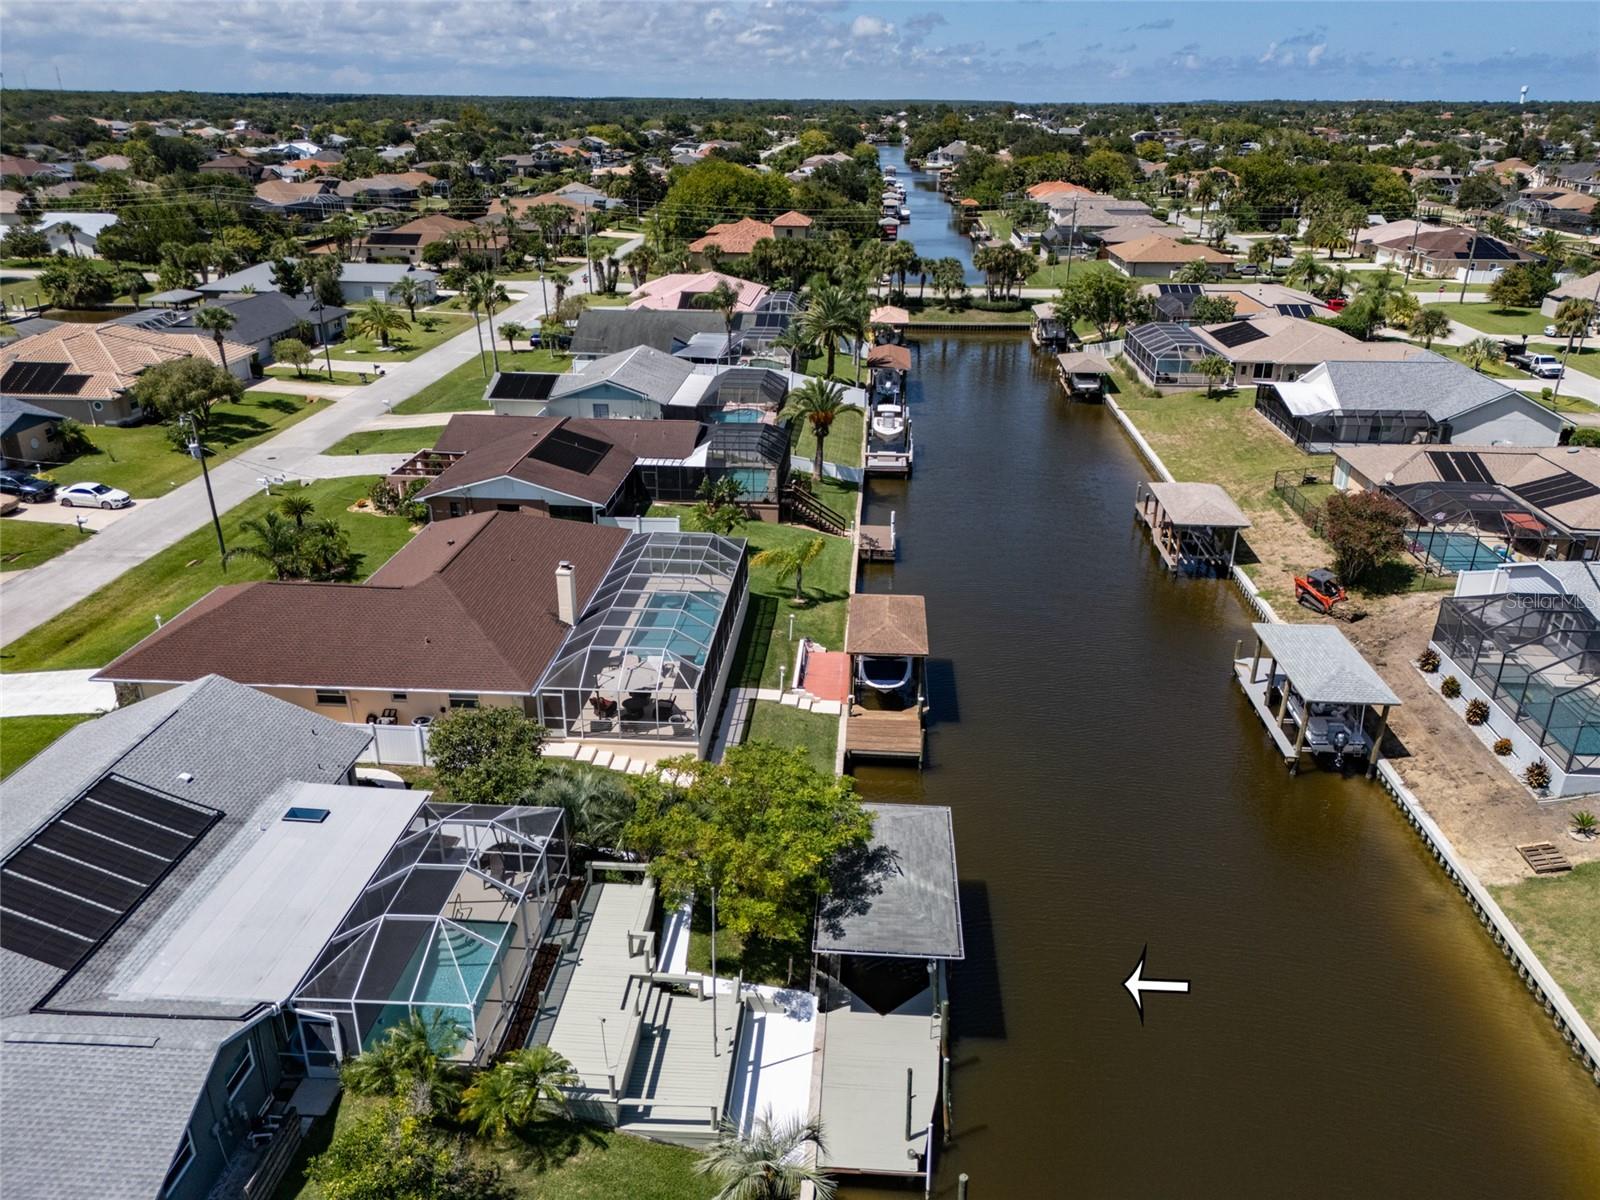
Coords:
30,598
46,693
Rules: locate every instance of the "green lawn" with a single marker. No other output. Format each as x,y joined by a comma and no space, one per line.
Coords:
318,373
1559,915
998,224
387,441
462,389
764,644
23,737
101,626
1434,286
843,443
926,314
782,725
560,1160
1586,360
142,462
1491,318
1054,277
406,345
1495,369
26,544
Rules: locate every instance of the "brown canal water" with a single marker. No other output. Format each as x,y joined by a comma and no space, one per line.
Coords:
1350,1030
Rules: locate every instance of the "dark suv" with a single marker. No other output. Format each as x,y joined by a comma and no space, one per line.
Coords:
27,487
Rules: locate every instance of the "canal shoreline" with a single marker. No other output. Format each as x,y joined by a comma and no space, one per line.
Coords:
1541,985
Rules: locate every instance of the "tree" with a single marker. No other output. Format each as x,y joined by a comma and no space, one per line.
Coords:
598,804
292,351
375,319
484,291
277,544
288,278
185,387
75,283
485,755
131,284
1195,271
297,549
786,560
217,321
724,300
1572,321
391,1153
1365,529
771,1163
831,315
511,331
1214,368
761,827
1429,323
1523,285
1260,253
408,291
819,402
519,1089
412,1052
71,232
1478,191
1480,352
1102,298
1212,310
719,509
1401,309
1304,272
949,279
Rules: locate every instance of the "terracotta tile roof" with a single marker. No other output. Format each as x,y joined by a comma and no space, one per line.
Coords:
736,237
468,606
682,291
792,220
1057,187
1156,248
108,358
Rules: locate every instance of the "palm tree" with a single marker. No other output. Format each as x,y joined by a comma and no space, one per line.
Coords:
522,1087
1430,323
829,317
132,284
1304,272
1480,352
819,401
375,319
72,231
1335,282
1572,321
597,803
1551,245
277,543
511,331
411,1057
1498,227
726,301
800,345
1197,271
485,292
1401,309
408,291
216,321
792,560
297,508
767,1164
1214,368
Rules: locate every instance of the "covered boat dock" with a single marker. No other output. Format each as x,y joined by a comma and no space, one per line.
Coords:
1314,692
1049,331
886,637
1083,375
1195,525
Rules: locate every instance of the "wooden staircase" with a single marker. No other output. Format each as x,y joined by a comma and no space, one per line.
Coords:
800,505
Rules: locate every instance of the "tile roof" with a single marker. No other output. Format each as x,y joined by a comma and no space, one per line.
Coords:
736,237
1297,340
1157,248
109,357
1058,187
791,220
881,623
468,606
684,290
1507,466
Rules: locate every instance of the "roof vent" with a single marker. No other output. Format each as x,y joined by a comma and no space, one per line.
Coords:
186,776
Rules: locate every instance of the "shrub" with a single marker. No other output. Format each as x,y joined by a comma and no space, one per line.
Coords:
74,438
1428,661
1584,822
1502,747
983,304
1477,712
486,755
1450,687
1585,436
1365,529
384,496
1537,775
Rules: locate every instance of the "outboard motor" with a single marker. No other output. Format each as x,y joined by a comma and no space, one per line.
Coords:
1340,740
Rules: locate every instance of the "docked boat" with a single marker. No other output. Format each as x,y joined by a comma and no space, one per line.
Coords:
905,215
889,422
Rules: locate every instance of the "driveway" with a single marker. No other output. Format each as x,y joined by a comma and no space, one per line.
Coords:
93,518
30,598
45,693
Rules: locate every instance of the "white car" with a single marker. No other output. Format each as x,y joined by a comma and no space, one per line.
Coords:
93,495
1550,331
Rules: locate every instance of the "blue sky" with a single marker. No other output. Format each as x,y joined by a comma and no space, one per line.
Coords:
979,49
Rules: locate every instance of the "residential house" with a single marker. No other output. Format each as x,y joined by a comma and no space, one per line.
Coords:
1054,189
951,154
29,435
404,188
112,162
405,243
1265,347
1423,399
1156,256
1555,208
260,320
686,290
313,200
28,168
1452,252
1575,176
605,331
730,240
231,164
359,282
791,225
188,940
585,196
1583,287
86,371
1175,301
83,236
12,204
596,632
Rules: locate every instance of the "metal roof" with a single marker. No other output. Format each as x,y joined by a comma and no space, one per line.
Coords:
1323,666
897,896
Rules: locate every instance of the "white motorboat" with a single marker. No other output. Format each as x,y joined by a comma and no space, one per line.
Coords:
884,673
889,422
905,214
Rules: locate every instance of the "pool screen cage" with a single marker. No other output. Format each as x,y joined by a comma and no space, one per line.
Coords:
1167,353
754,453
1460,526
644,658
1538,657
445,930
1317,431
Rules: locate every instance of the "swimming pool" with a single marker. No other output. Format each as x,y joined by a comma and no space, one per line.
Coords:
448,973
737,416
1454,551
679,623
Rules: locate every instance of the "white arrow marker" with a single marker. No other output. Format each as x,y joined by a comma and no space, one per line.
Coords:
1137,985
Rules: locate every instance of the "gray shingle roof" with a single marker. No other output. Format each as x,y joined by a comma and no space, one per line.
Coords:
643,370
1441,387
1323,666
614,330
899,896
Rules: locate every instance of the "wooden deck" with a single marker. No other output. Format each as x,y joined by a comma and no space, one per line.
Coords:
888,462
876,733
878,543
678,1085
1257,692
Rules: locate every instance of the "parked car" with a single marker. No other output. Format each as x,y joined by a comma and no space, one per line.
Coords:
1544,366
1550,331
25,487
93,495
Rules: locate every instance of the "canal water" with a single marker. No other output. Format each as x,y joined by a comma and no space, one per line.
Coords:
1350,1030
932,228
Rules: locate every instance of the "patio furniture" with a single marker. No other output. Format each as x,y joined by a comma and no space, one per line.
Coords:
391,716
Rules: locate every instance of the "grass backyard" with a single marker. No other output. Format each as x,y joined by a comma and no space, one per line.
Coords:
764,644
405,345
141,461
783,725
23,737
102,625
387,441
558,1160
1491,318
1055,276
936,314
318,373
1560,917
843,443
462,389
25,544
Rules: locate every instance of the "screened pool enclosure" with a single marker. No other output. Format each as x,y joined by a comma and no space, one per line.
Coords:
645,658
1538,657
1168,354
446,929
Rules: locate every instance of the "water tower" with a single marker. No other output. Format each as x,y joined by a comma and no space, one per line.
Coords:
1522,96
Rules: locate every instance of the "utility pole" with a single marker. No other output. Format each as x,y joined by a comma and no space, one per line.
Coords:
322,332
197,450
1072,235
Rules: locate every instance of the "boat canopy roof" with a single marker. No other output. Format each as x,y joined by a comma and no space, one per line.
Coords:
887,624
895,357
1198,504
1083,363
1323,666
897,895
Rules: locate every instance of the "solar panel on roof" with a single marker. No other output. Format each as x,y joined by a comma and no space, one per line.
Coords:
1557,489
1237,334
79,876
570,451
1177,289
523,385
1303,311
1470,467
40,379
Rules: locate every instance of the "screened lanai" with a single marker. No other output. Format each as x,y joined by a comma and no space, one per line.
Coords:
644,659
1463,526
1538,657
447,926
1167,353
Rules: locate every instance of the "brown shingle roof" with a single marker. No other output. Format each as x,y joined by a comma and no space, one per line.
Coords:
1158,249
886,624
468,606
509,451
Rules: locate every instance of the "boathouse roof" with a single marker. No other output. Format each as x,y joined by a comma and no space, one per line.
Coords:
1199,504
1323,666
897,896
887,624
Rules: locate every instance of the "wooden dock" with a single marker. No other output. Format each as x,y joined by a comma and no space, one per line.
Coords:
878,733
878,543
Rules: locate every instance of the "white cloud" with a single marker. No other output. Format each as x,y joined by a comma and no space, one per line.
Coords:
870,27
1314,55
